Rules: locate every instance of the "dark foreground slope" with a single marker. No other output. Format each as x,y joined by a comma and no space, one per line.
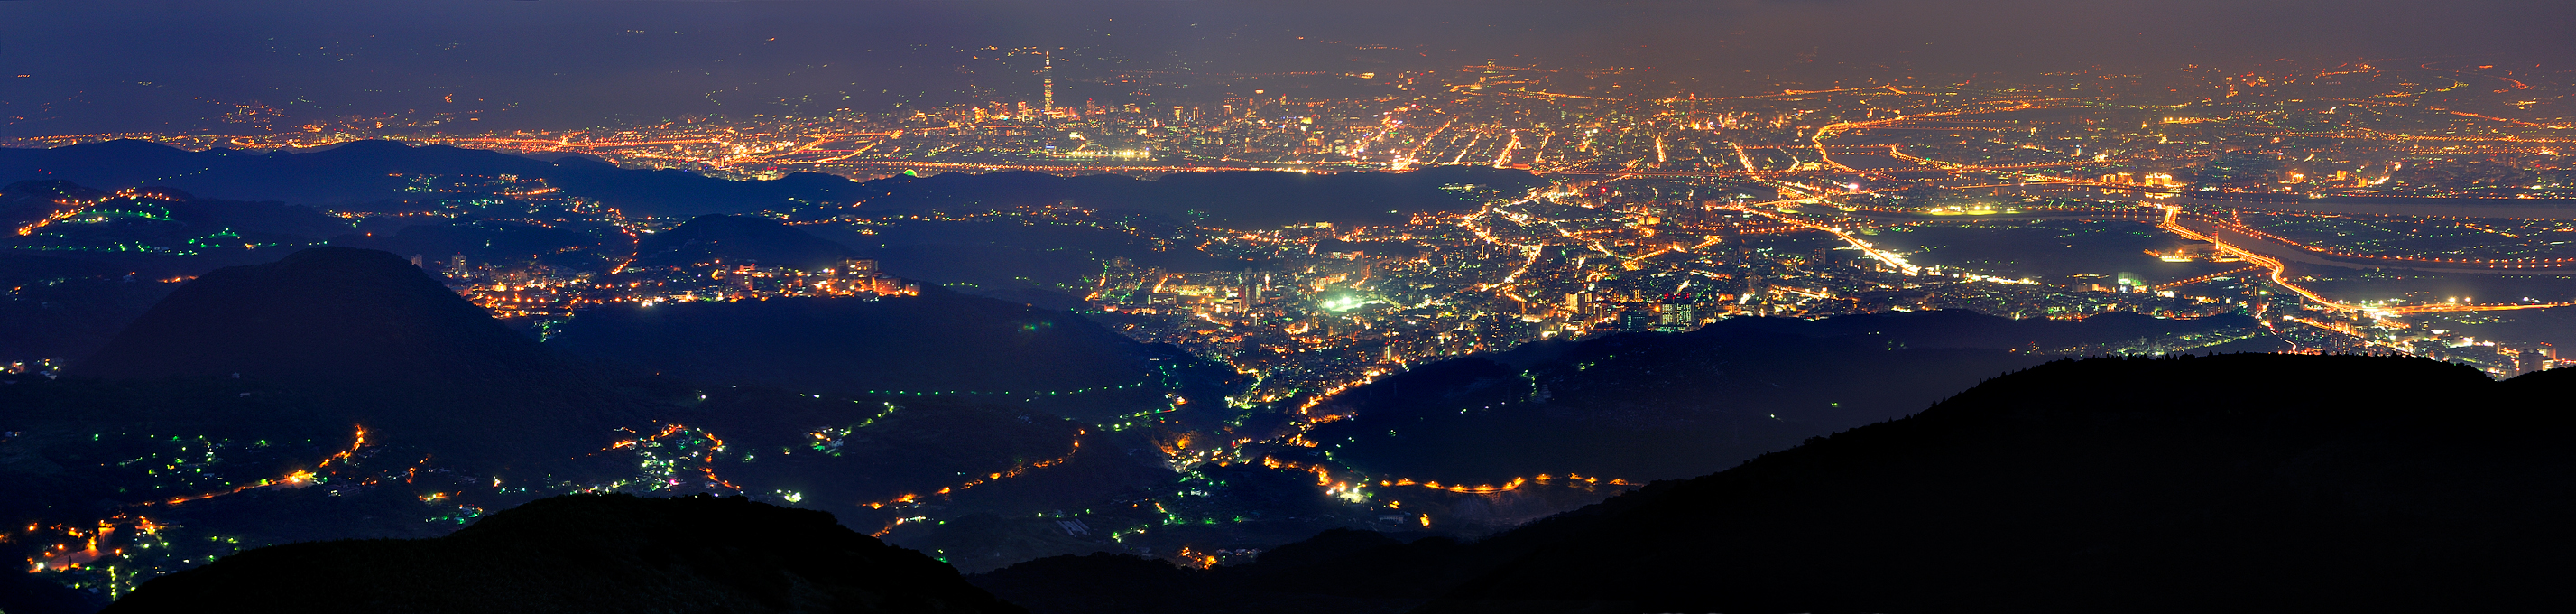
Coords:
586,553
2247,483
382,343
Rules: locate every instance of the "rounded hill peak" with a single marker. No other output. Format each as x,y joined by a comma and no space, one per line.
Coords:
328,312
379,340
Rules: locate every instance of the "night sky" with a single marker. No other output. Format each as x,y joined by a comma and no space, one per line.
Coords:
74,67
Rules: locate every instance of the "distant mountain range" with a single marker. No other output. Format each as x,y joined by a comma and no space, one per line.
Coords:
2237,483
369,171
353,174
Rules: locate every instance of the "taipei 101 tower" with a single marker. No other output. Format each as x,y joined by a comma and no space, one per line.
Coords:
1049,72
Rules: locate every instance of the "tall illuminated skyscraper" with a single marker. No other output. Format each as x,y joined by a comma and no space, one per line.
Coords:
1049,79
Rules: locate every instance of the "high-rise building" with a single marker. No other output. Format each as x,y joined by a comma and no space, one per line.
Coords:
1674,313
1637,318
2529,357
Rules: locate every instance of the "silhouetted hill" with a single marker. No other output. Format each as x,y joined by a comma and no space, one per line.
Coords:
2238,483
1657,406
1099,583
396,350
940,343
1283,580
2259,483
2537,386
741,239
313,313
92,260
153,219
586,553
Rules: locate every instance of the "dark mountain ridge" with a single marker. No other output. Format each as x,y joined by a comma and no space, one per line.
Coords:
153,228
741,239
587,553
2266,483
1658,406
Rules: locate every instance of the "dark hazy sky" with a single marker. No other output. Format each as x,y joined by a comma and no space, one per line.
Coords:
98,66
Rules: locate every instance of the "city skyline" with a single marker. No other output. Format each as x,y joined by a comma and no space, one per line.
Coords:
105,66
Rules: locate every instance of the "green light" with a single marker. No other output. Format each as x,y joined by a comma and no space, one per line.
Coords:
1345,303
